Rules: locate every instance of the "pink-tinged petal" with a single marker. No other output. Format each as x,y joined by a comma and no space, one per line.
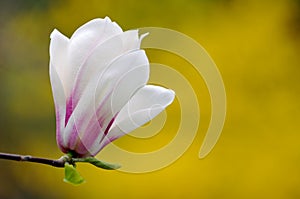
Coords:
58,64
147,103
81,150
107,93
60,110
90,142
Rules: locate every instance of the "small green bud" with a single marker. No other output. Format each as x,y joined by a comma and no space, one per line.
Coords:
72,176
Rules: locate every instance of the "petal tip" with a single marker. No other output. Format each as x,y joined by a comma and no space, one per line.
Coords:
171,96
107,18
54,33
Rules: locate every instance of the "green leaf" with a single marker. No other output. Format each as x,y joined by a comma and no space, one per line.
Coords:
98,163
72,176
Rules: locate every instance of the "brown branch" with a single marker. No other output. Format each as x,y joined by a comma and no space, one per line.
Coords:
27,158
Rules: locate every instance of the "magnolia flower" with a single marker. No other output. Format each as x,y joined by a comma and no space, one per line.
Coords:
98,80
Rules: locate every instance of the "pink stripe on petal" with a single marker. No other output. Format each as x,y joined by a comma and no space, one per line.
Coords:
58,131
105,139
109,125
89,139
92,138
59,138
71,103
94,132
72,140
94,129
69,110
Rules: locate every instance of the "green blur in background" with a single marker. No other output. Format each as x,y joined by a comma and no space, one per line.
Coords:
256,46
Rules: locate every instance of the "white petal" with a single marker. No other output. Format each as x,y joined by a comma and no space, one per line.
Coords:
58,64
60,106
147,103
85,39
58,54
99,29
101,57
122,79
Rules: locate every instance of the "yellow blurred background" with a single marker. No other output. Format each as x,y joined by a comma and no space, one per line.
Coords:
256,46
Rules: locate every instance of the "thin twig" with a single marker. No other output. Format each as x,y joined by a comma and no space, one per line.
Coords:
27,158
